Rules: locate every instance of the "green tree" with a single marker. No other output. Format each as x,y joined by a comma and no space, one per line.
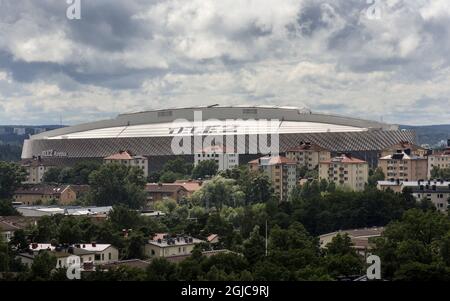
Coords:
254,246
19,240
11,177
115,184
259,189
82,170
4,256
7,209
169,177
46,230
440,173
69,231
205,169
135,248
341,258
178,166
416,243
375,176
122,217
52,175
161,270
43,265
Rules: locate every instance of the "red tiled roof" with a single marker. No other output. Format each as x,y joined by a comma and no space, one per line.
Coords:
256,161
212,237
124,155
159,236
191,186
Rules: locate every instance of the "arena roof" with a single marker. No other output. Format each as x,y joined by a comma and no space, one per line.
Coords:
234,119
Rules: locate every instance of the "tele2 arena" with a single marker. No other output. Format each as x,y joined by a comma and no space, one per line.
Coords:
152,134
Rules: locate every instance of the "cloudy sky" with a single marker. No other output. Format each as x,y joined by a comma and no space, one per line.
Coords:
390,61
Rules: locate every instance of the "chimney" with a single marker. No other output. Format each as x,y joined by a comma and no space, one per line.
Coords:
34,246
94,244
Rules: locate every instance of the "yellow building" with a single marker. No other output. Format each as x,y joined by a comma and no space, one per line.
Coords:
127,159
35,169
166,246
404,166
281,171
43,194
439,159
406,147
345,171
308,155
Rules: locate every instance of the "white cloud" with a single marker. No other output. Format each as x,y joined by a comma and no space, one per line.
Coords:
323,54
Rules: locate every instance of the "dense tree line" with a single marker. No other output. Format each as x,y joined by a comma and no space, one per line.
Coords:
240,206
10,152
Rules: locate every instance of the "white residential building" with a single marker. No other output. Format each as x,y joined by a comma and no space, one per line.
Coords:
163,245
438,192
225,158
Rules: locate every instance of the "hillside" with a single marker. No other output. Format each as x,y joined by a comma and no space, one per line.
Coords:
431,134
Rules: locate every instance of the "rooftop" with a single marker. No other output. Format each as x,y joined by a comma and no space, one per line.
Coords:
7,227
164,187
42,189
344,159
93,247
402,156
272,161
175,241
122,155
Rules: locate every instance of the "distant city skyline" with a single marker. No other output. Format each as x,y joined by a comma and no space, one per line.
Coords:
346,57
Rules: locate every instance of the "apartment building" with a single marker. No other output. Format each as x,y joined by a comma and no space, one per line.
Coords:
35,169
281,171
308,155
165,245
407,147
162,191
43,194
404,166
438,192
345,171
439,159
128,159
225,158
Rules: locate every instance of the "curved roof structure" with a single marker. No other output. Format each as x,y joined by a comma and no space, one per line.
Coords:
159,123
150,133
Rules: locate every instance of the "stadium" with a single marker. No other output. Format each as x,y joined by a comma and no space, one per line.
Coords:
150,133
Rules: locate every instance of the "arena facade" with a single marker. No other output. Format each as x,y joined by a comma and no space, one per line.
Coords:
151,133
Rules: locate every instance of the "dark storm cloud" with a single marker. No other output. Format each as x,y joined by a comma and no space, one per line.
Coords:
165,53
